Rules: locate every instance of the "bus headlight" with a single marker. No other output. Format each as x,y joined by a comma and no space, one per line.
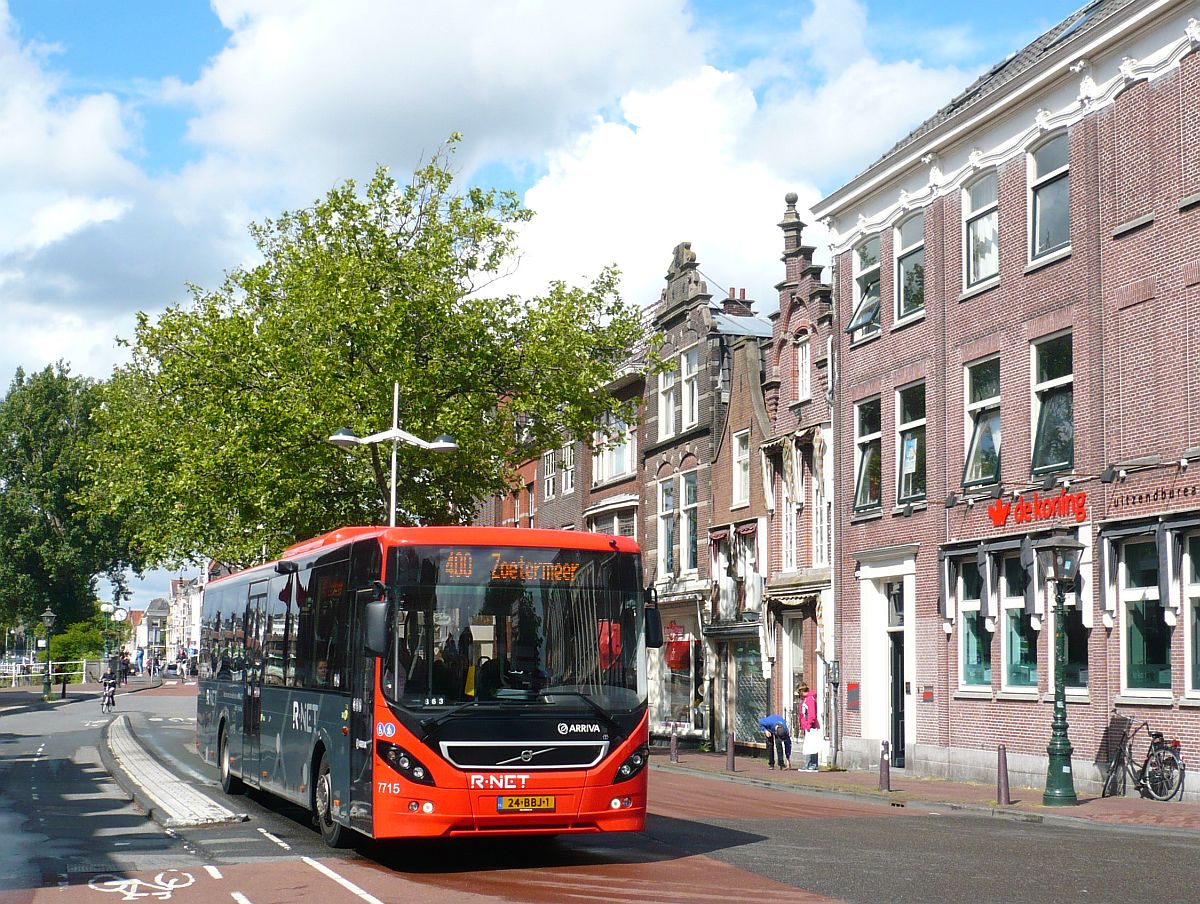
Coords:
403,762
634,763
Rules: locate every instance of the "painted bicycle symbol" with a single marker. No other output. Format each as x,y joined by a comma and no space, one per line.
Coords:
164,885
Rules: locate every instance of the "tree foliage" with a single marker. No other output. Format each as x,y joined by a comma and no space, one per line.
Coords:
215,433
52,545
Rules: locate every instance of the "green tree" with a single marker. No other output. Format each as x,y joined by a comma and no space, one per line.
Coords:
214,440
52,545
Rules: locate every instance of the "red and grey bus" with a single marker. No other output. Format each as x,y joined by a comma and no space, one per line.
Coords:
435,681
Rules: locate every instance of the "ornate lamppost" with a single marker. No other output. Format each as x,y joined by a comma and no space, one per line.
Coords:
1058,556
48,618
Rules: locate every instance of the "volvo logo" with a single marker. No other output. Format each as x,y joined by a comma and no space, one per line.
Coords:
525,756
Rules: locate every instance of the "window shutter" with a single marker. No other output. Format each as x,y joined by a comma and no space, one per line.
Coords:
1029,570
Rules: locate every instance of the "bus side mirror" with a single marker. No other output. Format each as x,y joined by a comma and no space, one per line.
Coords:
654,631
375,619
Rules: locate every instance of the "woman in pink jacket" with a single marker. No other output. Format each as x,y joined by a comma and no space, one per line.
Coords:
810,727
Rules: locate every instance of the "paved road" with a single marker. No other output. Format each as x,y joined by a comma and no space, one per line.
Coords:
66,823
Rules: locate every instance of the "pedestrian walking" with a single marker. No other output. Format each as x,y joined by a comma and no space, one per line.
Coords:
779,740
125,667
810,726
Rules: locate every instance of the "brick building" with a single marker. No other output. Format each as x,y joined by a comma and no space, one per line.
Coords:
1025,265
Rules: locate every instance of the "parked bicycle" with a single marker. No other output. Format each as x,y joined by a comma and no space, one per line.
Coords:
1160,774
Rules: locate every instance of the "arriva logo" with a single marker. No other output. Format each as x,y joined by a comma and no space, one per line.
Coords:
577,727
500,782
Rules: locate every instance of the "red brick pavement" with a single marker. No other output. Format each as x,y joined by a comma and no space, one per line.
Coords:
906,790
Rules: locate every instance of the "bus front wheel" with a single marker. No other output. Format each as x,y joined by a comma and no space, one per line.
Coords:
230,783
333,833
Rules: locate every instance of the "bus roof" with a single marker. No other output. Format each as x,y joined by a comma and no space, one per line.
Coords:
460,536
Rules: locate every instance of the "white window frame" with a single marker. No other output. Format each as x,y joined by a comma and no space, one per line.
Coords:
822,518
864,275
1039,389
1191,601
973,215
973,412
975,604
667,561
862,441
604,460
609,522
1012,606
568,469
689,522
903,427
689,395
668,403
904,252
787,528
803,358
549,466
741,468
1129,597
1039,182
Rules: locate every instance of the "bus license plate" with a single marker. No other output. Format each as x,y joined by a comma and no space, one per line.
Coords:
525,803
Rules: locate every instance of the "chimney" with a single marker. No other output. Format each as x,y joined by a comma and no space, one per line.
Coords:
736,304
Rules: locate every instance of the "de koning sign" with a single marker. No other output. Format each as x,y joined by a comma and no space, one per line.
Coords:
1039,508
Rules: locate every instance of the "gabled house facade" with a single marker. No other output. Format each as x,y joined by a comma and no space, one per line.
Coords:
1016,295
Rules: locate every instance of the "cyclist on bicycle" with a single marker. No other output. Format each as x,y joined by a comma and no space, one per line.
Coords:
108,688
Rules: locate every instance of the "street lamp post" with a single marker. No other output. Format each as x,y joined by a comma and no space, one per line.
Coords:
347,440
48,620
107,609
1059,558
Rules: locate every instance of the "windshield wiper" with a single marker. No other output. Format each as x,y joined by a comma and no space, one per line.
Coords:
437,721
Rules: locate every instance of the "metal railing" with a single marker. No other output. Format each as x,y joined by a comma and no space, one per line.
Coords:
32,674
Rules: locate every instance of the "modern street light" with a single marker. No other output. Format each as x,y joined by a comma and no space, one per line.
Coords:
347,440
1058,556
48,618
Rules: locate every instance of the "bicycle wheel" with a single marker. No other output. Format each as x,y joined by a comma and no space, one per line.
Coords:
1163,774
1114,782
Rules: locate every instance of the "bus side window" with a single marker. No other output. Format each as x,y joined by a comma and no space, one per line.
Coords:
302,628
328,585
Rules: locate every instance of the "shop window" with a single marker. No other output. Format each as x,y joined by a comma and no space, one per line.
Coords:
983,420
864,322
1020,638
1049,195
867,433
1053,393
1147,639
1076,674
976,639
1192,595
910,418
981,227
910,267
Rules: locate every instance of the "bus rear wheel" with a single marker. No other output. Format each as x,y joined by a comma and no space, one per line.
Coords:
333,833
230,783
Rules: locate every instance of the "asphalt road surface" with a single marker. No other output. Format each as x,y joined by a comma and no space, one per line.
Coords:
69,829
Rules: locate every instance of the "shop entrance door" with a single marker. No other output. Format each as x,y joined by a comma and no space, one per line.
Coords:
897,660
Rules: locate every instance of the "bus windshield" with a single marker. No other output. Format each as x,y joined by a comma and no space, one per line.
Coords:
508,624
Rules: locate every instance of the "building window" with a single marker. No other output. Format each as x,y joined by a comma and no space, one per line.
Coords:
689,365
1147,637
787,527
622,523
910,267
803,369
549,466
822,516
568,468
688,543
741,468
666,527
1020,639
615,456
910,417
983,420
865,320
981,225
1049,197
1192,595
867,484
1076,674
1054,400
976,639
668,404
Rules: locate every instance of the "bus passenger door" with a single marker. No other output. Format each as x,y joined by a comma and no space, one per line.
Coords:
256,619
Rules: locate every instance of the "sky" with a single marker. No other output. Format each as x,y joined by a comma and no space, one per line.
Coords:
140,138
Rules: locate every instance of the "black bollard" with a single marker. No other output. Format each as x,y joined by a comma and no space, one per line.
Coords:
64,687
1002,796
885,774
729,751
674,744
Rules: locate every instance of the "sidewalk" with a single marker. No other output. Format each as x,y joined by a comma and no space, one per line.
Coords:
28,697
909,790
